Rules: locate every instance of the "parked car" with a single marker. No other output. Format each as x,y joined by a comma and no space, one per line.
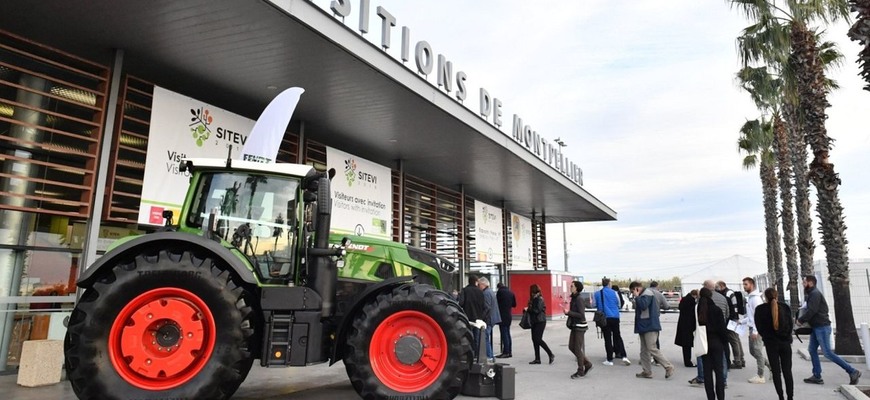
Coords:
673,299
587,301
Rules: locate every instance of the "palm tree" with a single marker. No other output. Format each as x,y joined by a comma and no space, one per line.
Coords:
756,140
767,41
813,102
860,32
805,61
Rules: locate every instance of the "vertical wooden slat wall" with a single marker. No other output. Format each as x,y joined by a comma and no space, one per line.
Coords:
52,106
433,218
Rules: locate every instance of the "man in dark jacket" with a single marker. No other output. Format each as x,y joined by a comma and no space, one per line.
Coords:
506,301
737,361
474,304
816,314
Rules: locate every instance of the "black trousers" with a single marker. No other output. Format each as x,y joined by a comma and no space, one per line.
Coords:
538,339
613,344
688,357
713,364
779,355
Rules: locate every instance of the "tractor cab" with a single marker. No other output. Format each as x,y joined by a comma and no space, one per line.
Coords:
255,208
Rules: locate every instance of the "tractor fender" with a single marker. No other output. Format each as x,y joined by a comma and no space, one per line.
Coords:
159,240
369,294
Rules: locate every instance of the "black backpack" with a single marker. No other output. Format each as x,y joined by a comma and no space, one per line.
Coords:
786,325
738,302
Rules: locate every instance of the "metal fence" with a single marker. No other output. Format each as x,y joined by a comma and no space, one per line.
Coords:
859,286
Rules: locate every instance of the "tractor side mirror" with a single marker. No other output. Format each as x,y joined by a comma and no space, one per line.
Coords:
167,215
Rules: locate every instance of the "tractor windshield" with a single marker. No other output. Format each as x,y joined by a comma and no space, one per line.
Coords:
254,212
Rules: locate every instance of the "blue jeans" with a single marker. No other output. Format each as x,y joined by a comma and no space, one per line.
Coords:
489,353
506,341
700,364
822,336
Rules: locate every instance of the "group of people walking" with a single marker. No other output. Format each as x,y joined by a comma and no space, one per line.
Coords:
713,318
711,323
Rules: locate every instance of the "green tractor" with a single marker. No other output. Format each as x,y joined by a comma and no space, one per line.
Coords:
250,271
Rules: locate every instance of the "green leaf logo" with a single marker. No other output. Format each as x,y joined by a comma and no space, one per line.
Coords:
350,171
199,123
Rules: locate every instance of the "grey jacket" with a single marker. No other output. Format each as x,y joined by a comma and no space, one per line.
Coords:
722,303
660,299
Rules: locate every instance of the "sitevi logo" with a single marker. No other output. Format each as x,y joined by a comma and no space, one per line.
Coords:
350,171
199,123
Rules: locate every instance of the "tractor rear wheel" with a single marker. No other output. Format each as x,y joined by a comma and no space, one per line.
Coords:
413,340
164,324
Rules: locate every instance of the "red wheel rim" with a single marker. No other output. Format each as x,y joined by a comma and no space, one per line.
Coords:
408,377
162,339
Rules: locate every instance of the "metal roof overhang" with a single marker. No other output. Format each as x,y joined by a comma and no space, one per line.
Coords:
358,98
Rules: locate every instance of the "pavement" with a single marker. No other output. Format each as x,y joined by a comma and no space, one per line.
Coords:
322,382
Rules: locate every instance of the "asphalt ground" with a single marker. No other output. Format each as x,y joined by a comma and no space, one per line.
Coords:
322,382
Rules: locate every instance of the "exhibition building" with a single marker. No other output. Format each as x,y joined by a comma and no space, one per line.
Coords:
101,100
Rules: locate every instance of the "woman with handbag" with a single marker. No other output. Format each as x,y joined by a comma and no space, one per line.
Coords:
538,317
711,335
578,326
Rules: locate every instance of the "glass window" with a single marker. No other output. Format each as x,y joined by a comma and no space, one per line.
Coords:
255,212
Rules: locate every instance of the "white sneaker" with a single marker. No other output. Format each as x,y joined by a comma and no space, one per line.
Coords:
757,379
608,363
626,361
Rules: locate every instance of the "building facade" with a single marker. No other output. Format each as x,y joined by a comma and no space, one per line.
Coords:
77,107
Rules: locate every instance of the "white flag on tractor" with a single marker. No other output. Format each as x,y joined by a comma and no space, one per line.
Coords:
265,139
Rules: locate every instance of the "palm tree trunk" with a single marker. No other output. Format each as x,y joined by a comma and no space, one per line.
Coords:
860,32
774,261
813,95
798,150
783,160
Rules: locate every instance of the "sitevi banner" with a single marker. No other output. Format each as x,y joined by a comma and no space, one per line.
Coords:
183,127
521,243
488,233
361,196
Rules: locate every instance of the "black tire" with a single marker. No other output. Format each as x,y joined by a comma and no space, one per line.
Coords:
423,299
88,362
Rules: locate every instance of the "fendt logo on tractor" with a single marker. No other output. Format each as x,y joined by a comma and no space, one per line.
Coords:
249,271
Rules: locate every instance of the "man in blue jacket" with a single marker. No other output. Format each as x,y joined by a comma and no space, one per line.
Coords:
647,325
606,301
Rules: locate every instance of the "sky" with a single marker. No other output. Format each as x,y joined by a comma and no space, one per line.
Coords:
643,94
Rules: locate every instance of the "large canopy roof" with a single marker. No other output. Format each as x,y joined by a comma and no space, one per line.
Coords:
358,98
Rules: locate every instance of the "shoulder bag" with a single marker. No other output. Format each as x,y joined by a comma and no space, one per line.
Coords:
525,323
599,317
700,346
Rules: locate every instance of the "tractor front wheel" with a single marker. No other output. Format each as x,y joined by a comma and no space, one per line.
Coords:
413,340
164,324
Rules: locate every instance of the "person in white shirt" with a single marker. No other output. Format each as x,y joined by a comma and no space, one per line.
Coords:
756,346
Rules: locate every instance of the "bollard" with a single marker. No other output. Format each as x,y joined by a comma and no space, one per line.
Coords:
865,338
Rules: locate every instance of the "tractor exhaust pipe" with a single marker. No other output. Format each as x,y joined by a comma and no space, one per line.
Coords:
323,272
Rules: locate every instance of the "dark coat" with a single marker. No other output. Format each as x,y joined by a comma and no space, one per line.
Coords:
686,323
473,303
764,323
816,313
537,310
577,313
506,301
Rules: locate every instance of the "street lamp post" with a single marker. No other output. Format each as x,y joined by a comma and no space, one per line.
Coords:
562,144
